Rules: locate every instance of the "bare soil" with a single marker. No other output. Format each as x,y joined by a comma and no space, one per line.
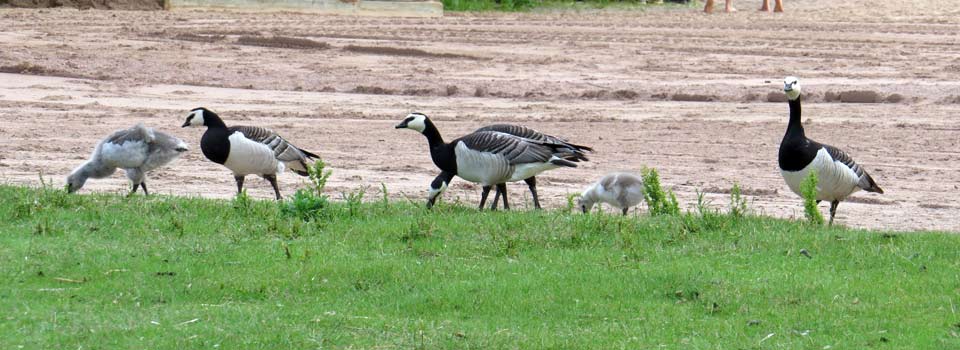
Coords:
696,96
87,4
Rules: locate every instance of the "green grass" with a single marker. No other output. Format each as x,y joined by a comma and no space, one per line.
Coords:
108,272
526,5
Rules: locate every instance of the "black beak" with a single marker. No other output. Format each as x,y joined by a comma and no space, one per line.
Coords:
402,125
185,124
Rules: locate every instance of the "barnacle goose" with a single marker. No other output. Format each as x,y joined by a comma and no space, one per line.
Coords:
838,175
525,132
136,150
485,157
248,150
619,189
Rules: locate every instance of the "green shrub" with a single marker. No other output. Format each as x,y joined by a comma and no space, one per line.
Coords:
318,176
738,204
658,201
808,188
354,200
309,204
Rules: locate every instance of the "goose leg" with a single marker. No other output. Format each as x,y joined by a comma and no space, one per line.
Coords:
239,179
833,210
532,183
144,185
502,189
273,182
136,177
483,196
625,210
496,197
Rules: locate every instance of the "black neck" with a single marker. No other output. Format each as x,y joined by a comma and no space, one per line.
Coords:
796,151
440,152
212,120
433,135
795,127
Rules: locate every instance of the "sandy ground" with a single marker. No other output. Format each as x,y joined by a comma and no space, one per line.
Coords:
694,95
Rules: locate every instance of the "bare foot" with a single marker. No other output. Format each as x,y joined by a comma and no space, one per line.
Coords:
731,9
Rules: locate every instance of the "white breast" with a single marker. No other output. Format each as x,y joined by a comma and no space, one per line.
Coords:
835,181
130,154
250,157
481,167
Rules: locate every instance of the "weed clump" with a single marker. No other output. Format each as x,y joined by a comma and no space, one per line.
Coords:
808,189
310,203
658,201
738,204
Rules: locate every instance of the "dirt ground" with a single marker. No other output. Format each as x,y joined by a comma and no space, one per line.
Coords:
693,95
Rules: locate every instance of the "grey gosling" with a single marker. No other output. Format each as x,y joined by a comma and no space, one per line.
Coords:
136,150
621,190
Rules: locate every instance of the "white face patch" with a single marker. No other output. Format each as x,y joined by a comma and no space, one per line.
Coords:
195,118
791,86
418,122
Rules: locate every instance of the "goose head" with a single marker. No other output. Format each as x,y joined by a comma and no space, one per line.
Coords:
414,121
584,203
791,86
195,118
75,182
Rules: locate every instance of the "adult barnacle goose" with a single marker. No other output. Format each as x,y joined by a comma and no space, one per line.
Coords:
525,132
485,157
136,150
248,150
838,175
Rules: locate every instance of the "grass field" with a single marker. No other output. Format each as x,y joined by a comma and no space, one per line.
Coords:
104,271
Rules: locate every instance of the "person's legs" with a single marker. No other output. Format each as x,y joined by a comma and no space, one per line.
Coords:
708,8
779,6
765,6
729,7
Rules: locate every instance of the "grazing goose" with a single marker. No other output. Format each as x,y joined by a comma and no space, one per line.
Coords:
525,132
136,150
838,175
621,190
248,150
485,157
